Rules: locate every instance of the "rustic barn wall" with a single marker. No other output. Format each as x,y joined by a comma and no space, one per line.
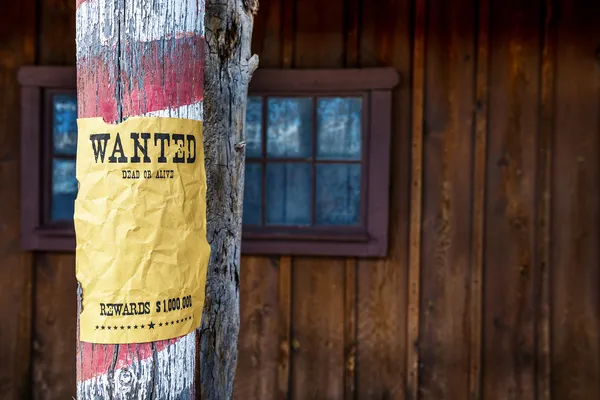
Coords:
491,284
17,47
55,309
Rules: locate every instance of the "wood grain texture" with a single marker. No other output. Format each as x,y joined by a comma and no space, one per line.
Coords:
479,174
284,298
544,201
511,273
288,20
258,343
266,36
350,339
55,326
17,31
575,205
56,34
447,190
317,369
416,198
319,36
385,39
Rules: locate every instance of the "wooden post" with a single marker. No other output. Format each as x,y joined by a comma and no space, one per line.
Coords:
229,68
146,57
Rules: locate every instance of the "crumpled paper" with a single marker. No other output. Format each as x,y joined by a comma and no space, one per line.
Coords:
140,224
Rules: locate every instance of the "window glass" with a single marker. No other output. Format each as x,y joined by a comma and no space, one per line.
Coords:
253,194
338,194
254,126
64,190
339,128
288,194
64,124
289,127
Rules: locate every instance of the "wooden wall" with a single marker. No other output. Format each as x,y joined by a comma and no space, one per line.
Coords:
491,286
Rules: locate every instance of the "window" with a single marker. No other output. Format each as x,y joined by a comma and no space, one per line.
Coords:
317,160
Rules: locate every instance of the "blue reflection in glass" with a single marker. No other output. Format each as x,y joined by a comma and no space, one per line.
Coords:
253,126
64,124
289,127
64,190
252,194
288,194
338,194
339,128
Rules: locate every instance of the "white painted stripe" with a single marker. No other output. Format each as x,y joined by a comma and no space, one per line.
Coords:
191,111
177,359
141,24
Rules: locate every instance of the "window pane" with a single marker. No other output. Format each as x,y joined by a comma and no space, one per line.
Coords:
253,126
64,124
289,127
339,128
338,194
252,194
288,194
64,190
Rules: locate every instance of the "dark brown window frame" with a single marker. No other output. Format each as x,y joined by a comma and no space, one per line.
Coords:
374,85
36,82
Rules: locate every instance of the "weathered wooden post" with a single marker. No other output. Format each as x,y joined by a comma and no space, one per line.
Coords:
147,57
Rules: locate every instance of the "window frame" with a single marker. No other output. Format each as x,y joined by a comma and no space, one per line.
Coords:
370,239
375,86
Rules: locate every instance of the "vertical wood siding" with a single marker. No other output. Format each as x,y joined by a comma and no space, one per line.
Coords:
490,289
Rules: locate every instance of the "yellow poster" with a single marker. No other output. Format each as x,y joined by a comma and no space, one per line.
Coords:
140,224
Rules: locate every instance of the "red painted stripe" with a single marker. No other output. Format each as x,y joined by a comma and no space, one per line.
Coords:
98,358
154,76
78,3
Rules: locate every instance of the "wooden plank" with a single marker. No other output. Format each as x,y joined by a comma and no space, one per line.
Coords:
317,368
511,273
447,192
256,376
267,34
352,18
576,205
479,173
56,32
543,202
287,33
350,338
55,326
285,326
385,40
416,198
319,35
17,47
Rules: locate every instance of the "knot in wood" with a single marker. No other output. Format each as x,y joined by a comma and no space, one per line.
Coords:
251,6
228,42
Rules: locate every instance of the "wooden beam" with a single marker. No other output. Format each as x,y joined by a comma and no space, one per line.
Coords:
414,258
